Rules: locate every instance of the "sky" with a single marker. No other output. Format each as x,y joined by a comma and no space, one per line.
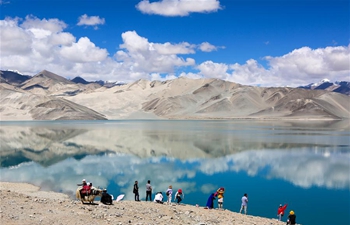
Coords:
251,42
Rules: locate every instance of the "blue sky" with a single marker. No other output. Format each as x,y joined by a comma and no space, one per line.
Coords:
251,42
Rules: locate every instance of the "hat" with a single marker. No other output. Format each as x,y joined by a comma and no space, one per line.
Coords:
180,191
88,184
280,204
83,180
291,212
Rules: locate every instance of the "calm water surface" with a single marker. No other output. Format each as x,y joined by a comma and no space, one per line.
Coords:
304,165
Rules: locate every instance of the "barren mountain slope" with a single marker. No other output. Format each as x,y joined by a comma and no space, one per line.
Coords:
185,98
16,104
47,83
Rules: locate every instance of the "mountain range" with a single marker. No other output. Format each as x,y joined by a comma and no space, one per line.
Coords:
48,96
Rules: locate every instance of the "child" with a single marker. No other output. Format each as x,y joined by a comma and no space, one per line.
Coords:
169,193
220,193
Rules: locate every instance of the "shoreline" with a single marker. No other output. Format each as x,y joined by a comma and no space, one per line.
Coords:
23,203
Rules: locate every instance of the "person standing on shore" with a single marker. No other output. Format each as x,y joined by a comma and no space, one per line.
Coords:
169,194
244,204
148,190
280,211
136,191
220,193
291,218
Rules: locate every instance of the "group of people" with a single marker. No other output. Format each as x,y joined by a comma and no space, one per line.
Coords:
220,195
158,198
179,195
291,217
87,189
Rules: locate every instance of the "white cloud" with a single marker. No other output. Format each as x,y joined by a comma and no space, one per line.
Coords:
207,47
213,70
14,40
83,51
178,7
90,20
299,67
141,56
51,25
31,45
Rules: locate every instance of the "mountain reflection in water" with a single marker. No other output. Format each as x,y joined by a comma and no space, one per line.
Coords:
198,156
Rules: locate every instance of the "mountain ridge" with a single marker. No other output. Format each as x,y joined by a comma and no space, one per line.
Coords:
181,98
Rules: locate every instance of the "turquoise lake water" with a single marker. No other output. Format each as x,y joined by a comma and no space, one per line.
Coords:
306,165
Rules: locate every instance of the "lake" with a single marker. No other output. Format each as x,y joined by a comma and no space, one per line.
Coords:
306,165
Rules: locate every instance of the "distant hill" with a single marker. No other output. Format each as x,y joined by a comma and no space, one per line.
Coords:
79,80
342,87
12,77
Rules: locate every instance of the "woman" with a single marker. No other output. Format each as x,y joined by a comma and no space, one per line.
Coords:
210,202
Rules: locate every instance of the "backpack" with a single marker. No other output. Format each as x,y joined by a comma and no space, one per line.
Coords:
167,193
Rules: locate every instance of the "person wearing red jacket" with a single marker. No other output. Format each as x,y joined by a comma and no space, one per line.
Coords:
280,211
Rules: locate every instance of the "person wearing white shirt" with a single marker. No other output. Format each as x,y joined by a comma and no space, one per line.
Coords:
158,198
244,204
179,195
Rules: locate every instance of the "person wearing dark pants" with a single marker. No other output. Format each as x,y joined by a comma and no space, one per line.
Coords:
148,190
136,191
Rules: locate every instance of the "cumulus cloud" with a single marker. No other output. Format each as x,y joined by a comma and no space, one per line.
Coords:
86,20
301,66
207,47
30,45
213,70
83,51
141,56
37,44
178,7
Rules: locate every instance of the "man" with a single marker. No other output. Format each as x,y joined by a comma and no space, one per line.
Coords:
83,183
280,211
136,191
148,190
244,204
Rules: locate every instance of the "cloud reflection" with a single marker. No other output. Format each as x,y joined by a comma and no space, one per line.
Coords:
302,168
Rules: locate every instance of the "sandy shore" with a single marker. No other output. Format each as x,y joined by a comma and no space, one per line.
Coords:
26,204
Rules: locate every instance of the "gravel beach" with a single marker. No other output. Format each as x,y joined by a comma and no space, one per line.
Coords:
23,203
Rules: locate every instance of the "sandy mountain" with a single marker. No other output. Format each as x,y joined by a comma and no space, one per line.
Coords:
48,83
185,98
18,104
181,98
